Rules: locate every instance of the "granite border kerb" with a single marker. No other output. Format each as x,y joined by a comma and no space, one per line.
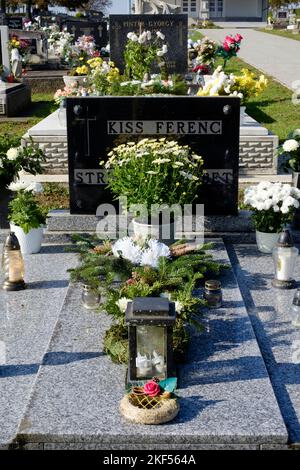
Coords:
268,434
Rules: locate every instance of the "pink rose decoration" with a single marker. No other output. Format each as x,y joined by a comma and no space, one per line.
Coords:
152,388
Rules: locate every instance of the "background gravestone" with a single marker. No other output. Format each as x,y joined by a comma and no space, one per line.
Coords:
15,22
97,29
174,27
210,126
4,52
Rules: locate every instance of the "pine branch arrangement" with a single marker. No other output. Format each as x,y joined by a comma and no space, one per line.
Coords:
120,280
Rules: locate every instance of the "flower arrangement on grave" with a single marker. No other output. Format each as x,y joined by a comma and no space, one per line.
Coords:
68,91
22,45
242,86
15,159
78,55
59,41
151,403
142,51
103,76
229,48
144,268
291,150
154,171
19,54
273,205
206,55
174,85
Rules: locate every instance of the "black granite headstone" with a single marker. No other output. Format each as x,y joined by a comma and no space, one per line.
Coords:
15,22
282,15
97,29
174,27
210,126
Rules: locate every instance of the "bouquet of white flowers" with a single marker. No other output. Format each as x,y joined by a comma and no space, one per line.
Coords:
273,205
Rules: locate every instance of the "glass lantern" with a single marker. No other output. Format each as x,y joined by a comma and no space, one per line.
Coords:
90,298
284,257
13,264
150,333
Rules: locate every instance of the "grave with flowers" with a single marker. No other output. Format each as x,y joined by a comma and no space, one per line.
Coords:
161,322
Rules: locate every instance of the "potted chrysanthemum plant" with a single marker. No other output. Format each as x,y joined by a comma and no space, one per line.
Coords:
27,217
12,161
273,205
290,152
154,176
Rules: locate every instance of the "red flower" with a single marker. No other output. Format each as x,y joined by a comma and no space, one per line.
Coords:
201,68
152,388
238,37
10,78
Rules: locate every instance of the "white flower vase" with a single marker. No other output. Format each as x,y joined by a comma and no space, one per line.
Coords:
266,241
163,233
30,242
74,80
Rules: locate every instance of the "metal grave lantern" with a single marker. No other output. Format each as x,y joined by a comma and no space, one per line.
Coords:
150,323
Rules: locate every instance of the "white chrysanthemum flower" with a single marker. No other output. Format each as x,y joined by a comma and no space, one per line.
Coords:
296,133
178,306
165,48
122,304
149,35
126,248
155,250
160,35
160,53
13,153
18,185
290,145
35,188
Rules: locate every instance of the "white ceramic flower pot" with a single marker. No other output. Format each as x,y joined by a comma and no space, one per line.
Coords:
29,242
77,80
163,233
266,241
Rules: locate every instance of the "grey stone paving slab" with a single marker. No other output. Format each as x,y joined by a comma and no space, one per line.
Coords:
27,320
276,56
227,398
279,340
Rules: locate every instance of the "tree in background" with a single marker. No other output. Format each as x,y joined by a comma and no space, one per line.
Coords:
275,4
98,5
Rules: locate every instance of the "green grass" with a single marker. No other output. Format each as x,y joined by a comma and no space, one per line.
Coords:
280,32
42,105
273,108
54,196
195,35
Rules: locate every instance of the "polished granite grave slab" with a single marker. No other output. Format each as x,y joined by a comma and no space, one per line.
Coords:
27,320
279,341
226,396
